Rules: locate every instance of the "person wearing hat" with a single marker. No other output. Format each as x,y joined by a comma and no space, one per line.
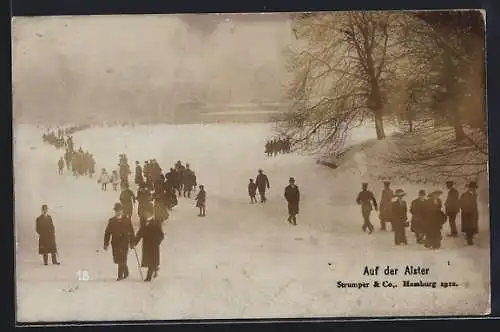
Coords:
201,199
368,203
252,191
124,173
189,181
435,220
181,170
399,212
418,219
47,236
152,235
469,213
144,200
385,205
292,196
121,234
452,207
262,183
160,203
127,199
138,174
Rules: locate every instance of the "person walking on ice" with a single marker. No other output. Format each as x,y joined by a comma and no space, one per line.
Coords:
292,196
418,212
120,233
470,214
115,180
127,199
368,203
103,179
399,218
201,199
262,183
435,219
452,207
60,165
252,191
152,235
385,205
47,236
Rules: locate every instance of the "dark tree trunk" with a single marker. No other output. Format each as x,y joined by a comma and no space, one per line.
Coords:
379,125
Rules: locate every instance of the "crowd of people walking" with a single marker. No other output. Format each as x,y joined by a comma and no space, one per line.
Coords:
158,192
428,213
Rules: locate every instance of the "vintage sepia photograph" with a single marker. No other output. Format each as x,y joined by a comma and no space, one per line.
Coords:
250,166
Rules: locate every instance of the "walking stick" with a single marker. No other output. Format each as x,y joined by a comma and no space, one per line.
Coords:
138,264
135,251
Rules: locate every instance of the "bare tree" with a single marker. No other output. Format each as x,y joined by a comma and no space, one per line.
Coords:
343,66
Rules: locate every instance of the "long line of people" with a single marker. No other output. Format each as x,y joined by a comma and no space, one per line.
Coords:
275,146
428,216
158,192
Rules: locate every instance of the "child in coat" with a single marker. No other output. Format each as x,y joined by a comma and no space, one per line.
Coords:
201,201
103,179
252,191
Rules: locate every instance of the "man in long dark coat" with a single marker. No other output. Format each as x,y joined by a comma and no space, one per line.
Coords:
435,218
47,241
124,173
127,199
152,236
452,207
262,183
470,213
138,174
399,212
292,196
144,201
368,203
385,205
121,234
418,210
67,159
189,181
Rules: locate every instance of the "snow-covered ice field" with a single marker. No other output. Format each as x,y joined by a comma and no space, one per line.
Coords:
241,260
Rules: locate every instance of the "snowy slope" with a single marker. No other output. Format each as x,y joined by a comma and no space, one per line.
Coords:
242,260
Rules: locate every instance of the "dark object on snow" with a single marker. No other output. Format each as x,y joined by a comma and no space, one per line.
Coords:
330,164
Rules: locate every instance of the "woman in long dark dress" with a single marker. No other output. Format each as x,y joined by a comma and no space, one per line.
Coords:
152,236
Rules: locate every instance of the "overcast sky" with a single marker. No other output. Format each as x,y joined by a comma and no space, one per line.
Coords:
119,64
